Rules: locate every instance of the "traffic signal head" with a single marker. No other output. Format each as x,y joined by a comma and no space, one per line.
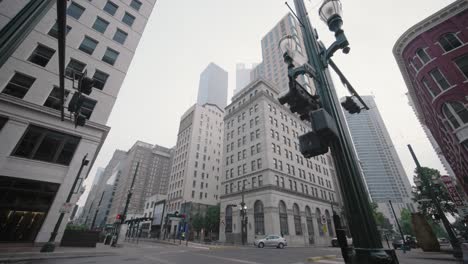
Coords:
118,217
73,104
86,85
80,119
311,144
350,105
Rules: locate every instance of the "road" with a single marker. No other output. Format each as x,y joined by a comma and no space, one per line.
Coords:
154,253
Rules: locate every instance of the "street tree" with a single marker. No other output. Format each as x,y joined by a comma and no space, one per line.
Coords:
381,220
197,223
405,222
211,221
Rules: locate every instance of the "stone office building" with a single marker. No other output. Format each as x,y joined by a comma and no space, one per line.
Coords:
284,192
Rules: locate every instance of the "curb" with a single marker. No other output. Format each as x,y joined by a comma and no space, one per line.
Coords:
316,259
15,258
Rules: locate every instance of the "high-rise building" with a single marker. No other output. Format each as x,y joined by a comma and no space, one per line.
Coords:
433,59
195,175
285,193
150,165
273,68
213,86
242,76
38,151
383,172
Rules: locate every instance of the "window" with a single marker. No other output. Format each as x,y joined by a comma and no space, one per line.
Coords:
423,56
319,221
100,25
88,45
110,56
456,113
449,42
19,85
100,79
87,107
260,180
53,101
41,55
310,224
110,8
135,4
120,36
46,145
297,220
75,10
283,216
259,218
433,90
228,219
54,30
74,68
439,78
128,19
462,63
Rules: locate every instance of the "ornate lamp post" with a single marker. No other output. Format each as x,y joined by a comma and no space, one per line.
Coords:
329,129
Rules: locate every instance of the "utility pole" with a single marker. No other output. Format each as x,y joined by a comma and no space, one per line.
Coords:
399,227
124,214
457,252
50,245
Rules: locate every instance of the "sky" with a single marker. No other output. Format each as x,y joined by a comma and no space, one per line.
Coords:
183,36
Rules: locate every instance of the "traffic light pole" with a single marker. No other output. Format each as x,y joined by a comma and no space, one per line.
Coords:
243,224
366,238
129,197
50,245
399,227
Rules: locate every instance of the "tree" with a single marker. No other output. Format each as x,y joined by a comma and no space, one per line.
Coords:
405,222
211,221
380,218
197,223
429,189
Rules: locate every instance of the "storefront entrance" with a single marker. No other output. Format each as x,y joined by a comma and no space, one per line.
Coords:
23,207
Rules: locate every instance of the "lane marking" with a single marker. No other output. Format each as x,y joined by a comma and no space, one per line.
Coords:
229,259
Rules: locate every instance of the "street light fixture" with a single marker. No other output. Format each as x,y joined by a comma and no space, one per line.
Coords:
329,129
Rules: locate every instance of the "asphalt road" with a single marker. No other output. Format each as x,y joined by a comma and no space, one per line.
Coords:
168,254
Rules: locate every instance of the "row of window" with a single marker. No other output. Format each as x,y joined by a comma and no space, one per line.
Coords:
255,181
75,10
280,182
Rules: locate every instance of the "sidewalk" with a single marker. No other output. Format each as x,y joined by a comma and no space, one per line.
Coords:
12,254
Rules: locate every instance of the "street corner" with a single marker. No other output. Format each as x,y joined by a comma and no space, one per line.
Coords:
320,259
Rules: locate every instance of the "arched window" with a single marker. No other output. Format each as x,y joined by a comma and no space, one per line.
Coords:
456,113
228,219
297,220
310,224
259,218
318,215
283,215
423,56
449,41
329,223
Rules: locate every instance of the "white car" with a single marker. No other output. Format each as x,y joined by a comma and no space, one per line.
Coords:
271,241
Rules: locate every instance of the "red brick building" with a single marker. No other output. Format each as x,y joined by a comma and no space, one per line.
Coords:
433,59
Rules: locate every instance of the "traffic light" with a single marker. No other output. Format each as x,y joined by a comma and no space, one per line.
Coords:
74,106
350,105
299,100
311,145
118,217
86,85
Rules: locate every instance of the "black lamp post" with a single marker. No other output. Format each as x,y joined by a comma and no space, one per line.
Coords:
50,245
329,129
243,212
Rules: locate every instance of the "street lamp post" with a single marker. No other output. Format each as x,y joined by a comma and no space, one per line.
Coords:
50,245
457,252
330,130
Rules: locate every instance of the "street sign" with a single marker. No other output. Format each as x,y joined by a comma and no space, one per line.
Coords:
456,198
66,208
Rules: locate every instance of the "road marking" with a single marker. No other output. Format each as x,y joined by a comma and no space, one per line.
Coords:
330,262
230,259
159,260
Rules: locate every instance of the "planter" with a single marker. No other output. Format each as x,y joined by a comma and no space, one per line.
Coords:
78,238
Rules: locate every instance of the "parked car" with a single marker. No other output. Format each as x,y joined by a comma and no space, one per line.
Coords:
334,242
271,241
397,243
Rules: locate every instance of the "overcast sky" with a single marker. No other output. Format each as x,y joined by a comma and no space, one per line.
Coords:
183,36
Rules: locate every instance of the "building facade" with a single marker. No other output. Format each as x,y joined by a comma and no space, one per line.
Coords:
433,59
383,172
285,193
150,165
38,151
195,175
213,86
